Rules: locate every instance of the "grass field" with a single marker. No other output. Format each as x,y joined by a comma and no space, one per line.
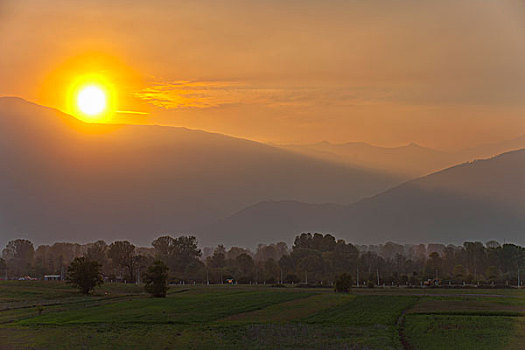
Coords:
51,315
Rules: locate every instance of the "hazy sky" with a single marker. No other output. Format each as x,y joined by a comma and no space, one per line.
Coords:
445,74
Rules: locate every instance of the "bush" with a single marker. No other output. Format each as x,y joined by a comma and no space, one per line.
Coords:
84,274
370,284
343,283
156,279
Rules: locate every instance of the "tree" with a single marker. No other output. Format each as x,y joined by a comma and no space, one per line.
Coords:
122,253
84,274
18,255
98,252
343,283
287,264
271,271
459,272
246,267
311,267
178,253
492,273
163,247
3,267
434,264
156,279
217,261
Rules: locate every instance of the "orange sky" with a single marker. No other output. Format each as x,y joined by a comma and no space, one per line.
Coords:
445,74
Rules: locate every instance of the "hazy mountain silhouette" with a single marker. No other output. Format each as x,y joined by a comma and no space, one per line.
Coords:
410,161
479,200
63,179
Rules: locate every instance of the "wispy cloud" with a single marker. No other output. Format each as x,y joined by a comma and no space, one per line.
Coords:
210,94
192,94
132,112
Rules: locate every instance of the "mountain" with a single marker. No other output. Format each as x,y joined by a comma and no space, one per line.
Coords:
479,200
63,179
272,221
410,161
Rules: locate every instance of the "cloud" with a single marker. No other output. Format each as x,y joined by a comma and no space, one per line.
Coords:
131,112
192,94
211,94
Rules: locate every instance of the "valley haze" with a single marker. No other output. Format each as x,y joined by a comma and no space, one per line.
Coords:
102,181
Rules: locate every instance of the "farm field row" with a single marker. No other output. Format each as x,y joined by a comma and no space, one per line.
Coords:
43,315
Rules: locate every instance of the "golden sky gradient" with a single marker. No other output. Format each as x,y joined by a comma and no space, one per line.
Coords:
446,74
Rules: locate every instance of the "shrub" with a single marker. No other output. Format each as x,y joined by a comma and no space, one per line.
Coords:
84,274
343,283
156,279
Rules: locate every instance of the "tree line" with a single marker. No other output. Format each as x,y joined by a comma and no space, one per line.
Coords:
313,259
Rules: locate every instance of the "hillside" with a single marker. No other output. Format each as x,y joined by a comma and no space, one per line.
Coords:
479,200
64,179
409,161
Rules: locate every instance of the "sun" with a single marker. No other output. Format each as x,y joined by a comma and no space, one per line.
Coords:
92,100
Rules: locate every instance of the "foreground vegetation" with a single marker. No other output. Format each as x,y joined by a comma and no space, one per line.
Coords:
52,315
313,259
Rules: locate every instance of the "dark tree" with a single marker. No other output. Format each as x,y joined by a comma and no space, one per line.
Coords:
163,248
271,271
246,268
18,255
287,264
3,266
98,252
217,262
156,279
84,274
178,253
122,253
218,259
343,283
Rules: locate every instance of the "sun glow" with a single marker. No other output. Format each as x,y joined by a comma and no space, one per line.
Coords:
91,100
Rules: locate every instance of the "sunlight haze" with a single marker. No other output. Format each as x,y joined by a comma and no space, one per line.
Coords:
387,73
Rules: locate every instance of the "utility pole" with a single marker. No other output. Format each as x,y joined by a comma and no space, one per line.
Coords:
377,276
306,276
281,276
357,279
207,278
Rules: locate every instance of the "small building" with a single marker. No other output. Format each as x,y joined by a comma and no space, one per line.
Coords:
52,278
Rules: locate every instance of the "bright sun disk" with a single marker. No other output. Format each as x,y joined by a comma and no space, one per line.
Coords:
91,100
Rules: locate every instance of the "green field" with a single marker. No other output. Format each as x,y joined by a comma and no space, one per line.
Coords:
51,315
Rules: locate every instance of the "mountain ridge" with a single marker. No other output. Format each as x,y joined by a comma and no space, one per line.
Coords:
410,161
65,178
478,200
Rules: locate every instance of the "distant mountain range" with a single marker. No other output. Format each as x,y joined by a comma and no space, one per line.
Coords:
66,180
479,200
409,161
63,179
